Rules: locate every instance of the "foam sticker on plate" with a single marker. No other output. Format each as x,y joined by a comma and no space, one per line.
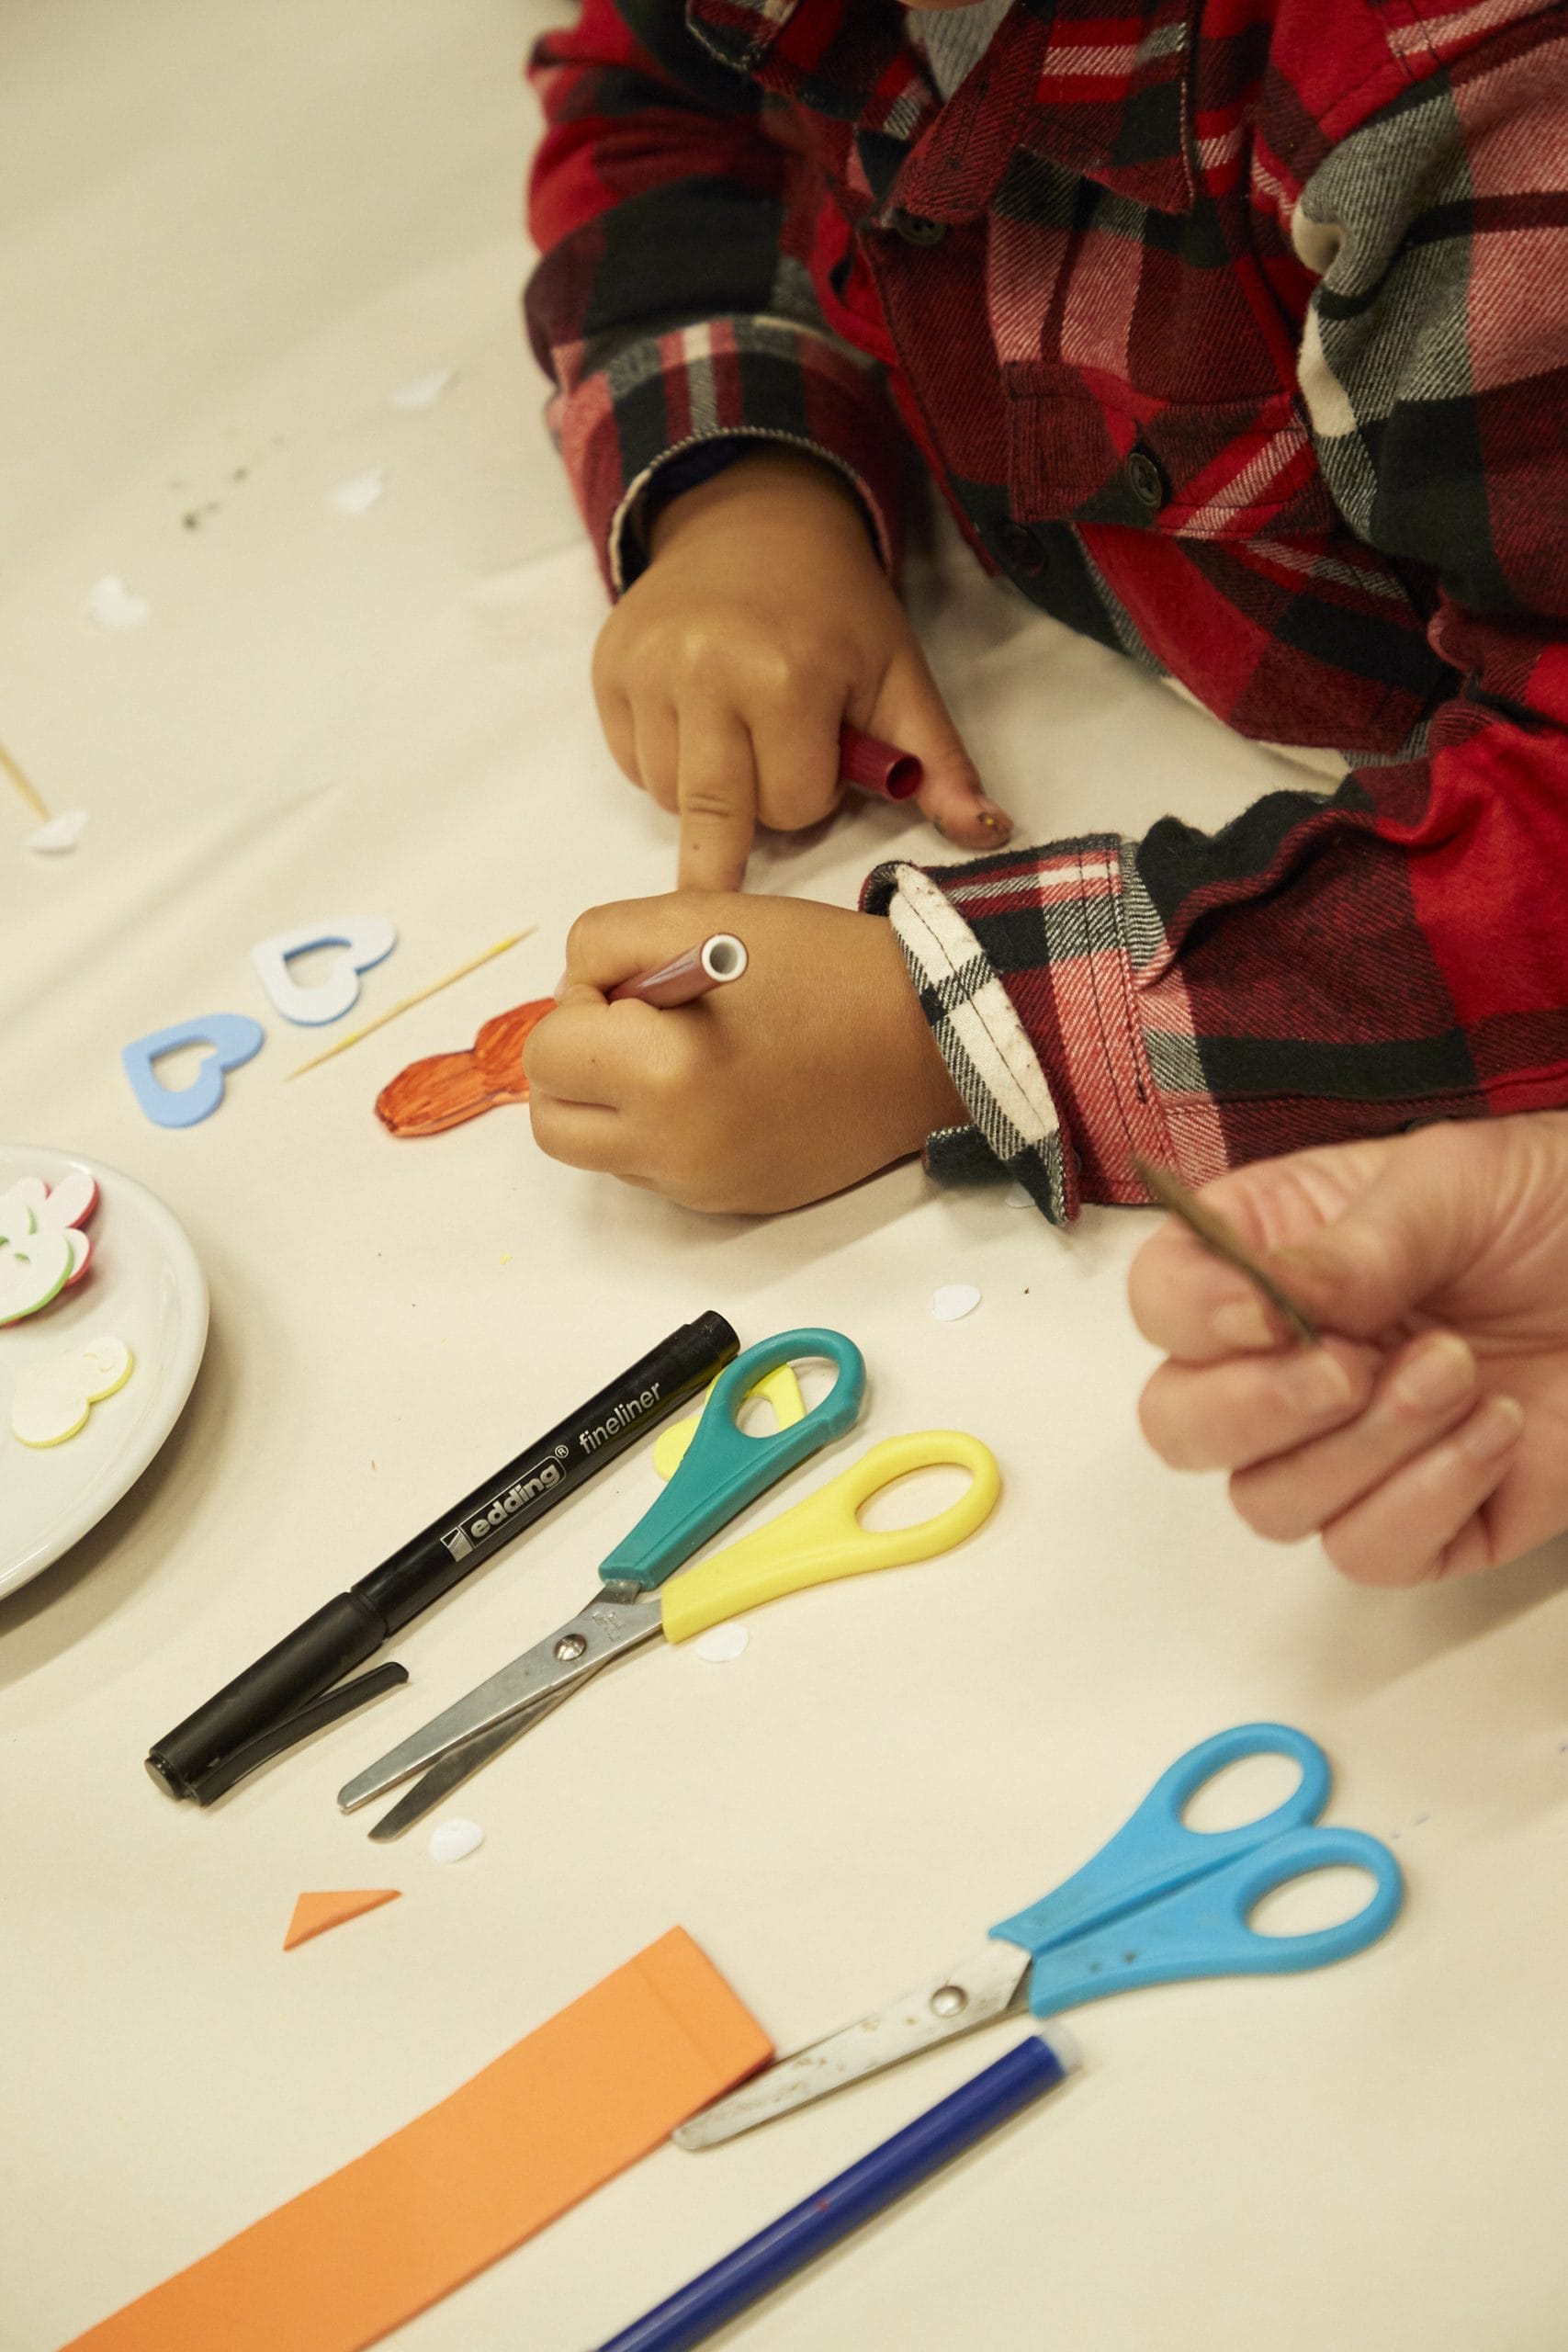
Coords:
35,1262
53,1400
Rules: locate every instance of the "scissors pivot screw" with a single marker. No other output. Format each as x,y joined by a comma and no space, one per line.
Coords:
569,1646
949,2001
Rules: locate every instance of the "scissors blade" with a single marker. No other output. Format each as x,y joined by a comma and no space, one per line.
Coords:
610,1625
988,1986
458,1764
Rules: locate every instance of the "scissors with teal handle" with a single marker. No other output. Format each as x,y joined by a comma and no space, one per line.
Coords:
724,1467
1159,1903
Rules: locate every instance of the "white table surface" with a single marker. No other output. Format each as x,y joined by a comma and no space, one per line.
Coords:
229,234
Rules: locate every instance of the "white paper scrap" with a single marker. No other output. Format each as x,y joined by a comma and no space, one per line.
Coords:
114,605
451,1842
362,491
61,833
424,390
721,1644
953,1301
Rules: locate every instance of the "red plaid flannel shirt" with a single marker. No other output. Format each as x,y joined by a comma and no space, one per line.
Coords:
1236,335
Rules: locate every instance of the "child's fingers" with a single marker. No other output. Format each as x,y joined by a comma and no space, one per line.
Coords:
717,791
1424,1391
584,1135
587,1054
1423,1521
658,752
620,731
911,713
1247,1409
795,747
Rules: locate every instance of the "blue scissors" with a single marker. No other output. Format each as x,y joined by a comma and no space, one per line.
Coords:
1160,1902
722,1469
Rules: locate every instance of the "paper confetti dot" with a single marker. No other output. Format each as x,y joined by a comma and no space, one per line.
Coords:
61,833
424,390
113,606
1015,1197
953,1301
721,1644
354,496
450,1842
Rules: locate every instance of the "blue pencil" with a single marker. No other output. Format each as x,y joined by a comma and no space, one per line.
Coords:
808,2229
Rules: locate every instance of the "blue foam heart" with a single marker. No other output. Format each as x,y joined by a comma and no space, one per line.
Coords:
234,1038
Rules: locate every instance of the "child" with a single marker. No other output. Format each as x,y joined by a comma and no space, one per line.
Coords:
1236,332
1432,1440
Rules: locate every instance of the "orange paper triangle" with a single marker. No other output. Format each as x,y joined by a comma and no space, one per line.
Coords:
314,1914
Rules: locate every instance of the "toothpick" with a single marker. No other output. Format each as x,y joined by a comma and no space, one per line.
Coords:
342,1043
1220,1239
23,784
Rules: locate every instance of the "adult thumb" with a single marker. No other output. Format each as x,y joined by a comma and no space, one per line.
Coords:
1407,1235
911,713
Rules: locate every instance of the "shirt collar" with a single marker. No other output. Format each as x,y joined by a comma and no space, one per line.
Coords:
1104,96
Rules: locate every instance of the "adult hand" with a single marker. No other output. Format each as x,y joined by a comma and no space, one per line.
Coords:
1428,1435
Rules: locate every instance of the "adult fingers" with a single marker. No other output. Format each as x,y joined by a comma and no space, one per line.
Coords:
1425,1521
1226,1416
911,713
1426,1390
717,793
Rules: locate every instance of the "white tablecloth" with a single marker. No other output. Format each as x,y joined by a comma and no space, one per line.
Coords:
228,235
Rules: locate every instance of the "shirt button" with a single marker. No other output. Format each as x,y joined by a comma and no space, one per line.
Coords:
1144,480
1019,547
915,232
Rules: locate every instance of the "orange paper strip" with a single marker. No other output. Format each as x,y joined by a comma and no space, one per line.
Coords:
561,2112
314,1914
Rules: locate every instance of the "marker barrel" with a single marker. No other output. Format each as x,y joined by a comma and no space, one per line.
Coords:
712,964
876,767
354,1624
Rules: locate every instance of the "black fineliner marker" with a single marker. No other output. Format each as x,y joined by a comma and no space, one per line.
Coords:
258,1710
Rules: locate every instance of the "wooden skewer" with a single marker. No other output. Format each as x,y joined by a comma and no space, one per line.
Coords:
24,785
342,1044
1219,1237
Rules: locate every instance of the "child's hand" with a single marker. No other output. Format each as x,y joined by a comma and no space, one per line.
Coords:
1433,1438
763,623
814,1069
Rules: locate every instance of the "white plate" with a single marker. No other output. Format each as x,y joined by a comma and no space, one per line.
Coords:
145,1287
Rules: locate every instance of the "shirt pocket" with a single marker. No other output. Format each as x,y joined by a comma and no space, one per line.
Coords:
1211,470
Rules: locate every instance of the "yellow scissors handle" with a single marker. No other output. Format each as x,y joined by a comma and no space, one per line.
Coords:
821,1538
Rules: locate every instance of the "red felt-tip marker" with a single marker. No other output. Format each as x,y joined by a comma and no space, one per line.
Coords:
710,965
880,768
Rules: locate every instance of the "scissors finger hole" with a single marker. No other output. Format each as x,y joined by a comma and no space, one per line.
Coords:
1321,1898
914,1497
1244,1791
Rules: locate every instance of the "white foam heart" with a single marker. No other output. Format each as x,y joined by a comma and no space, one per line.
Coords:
114,605
61,833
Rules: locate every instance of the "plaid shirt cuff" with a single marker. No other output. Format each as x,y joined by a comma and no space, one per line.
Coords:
759,379
1006,1092
1038,970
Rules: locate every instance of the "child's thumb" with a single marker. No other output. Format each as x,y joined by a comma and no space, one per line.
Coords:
911,713
1394,1246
